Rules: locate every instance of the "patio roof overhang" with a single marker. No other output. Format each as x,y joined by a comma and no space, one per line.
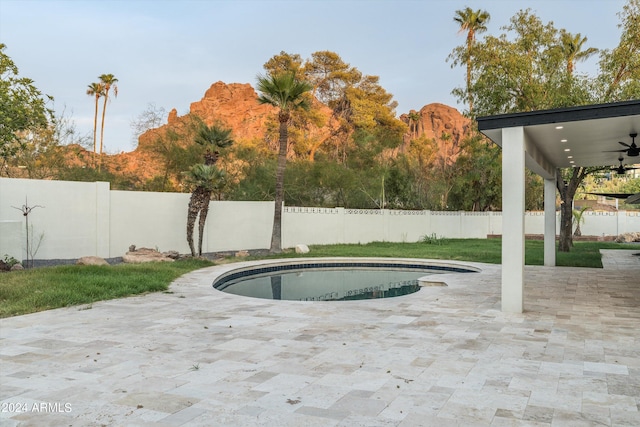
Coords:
544,141
584,135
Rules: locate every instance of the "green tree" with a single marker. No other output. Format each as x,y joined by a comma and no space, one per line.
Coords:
172,148
477,185
96,90
108,82
285,92
526,69
619,77
472,22
49,151
284,63
22,109
205,178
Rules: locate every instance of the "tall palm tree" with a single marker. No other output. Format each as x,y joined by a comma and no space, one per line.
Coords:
571,46
473,22
414,119
108,81
285,92
205,178
96,90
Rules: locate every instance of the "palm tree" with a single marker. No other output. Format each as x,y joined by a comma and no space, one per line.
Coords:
212,138
108,81
414,119
473,22
97,90
285,92
572,49
205,179
578,218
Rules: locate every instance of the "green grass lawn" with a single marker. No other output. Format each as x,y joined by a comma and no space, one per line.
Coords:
45,288
583,254
39,289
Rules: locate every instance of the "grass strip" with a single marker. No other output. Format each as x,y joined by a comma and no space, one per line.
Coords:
583,254
45,288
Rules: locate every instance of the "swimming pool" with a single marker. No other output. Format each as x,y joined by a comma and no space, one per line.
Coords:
333,279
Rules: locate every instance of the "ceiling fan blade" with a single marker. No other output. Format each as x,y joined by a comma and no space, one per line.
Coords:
624,143
615,151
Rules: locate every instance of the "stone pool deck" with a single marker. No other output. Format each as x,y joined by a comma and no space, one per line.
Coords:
445,356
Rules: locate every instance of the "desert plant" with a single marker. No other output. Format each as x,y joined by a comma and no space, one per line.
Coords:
26,210
433,239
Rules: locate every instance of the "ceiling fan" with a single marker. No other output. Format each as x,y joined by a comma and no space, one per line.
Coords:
620,170
633,150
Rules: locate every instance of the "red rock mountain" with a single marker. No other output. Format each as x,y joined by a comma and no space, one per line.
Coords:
236,106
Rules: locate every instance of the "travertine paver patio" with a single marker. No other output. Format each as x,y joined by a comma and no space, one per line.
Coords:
445,356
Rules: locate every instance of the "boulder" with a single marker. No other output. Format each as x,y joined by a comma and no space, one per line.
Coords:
143,255
91,260
628,237
302,249
17,267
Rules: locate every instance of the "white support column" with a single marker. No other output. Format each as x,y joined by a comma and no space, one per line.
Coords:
550,222
513,184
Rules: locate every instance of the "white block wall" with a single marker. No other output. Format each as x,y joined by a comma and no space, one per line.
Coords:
80,218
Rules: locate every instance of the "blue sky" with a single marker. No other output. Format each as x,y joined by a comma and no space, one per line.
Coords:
169,52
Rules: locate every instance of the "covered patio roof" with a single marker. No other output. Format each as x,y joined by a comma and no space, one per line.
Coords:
582,135
544,141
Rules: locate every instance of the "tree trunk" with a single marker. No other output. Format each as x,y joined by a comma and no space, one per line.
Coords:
104,111
204,211
566,224
192,214
567,191
95,126
276,235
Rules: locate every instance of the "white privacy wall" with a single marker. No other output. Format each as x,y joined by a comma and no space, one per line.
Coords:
79,219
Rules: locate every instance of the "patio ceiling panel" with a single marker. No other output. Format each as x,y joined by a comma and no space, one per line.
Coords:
585,135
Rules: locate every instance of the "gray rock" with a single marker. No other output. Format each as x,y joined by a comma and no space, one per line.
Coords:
172,254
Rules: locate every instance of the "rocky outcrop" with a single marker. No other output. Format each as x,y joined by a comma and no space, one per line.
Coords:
235,106
440,123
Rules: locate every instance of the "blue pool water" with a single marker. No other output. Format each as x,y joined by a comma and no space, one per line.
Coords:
328,281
